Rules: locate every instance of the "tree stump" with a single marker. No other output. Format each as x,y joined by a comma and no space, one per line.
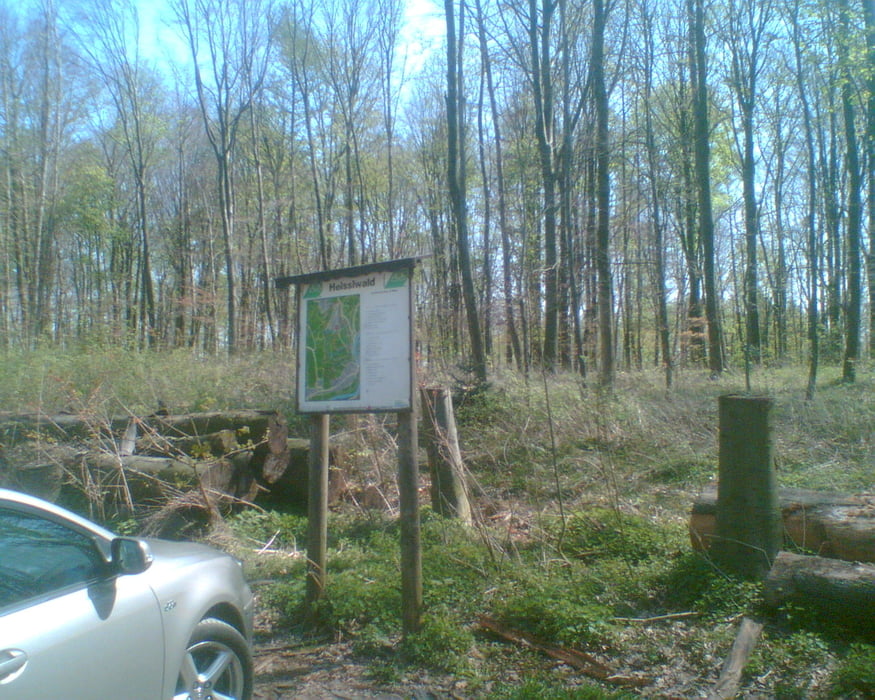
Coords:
449,495
748,529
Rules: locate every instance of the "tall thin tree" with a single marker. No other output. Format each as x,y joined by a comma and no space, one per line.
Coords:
456,180
702,146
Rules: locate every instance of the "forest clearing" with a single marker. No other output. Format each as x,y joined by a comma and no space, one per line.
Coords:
577,578
614,215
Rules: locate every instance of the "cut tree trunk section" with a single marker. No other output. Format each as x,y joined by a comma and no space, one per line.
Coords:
833,525
747,533
841,592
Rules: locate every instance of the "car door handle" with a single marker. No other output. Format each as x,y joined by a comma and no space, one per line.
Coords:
12,662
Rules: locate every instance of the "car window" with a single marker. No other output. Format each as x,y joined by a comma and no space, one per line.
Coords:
40,556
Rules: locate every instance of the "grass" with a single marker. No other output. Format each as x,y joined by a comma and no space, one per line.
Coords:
580,539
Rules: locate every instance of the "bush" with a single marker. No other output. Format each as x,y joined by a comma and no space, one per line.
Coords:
561,609
603,532
442,644
854,677
695,584
280,530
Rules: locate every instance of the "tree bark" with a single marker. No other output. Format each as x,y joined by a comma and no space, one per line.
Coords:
855,208
456,180
603,198
702,140
515,347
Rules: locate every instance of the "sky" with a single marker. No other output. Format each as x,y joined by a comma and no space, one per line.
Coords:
421,35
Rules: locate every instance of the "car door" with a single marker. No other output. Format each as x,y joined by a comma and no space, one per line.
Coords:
69,628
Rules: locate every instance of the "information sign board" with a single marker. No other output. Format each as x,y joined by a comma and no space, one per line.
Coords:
354,340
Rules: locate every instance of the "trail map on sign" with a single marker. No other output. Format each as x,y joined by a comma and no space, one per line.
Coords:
333,349
355,340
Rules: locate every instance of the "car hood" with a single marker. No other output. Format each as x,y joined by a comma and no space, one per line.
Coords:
166,552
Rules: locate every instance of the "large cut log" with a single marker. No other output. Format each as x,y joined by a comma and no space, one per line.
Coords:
248,424
841,592
50,471
217,444
277,449
285,473
16,428
834,525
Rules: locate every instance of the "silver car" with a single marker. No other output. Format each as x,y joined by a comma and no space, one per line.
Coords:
86,615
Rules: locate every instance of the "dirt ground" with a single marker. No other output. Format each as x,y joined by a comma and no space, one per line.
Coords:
294,672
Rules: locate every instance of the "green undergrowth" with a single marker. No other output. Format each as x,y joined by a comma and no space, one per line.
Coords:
614,574
581,500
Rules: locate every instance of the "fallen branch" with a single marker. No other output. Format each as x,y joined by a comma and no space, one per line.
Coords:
583,662
730,677
658,618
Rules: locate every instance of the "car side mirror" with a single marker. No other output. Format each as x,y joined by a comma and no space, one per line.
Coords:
130,555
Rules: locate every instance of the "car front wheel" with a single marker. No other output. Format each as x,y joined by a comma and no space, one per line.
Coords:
217,664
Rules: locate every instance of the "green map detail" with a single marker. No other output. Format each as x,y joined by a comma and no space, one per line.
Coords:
396,279
333,364
314,291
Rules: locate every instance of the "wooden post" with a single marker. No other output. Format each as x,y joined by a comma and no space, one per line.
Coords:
748,523
317,509
449,495
411,545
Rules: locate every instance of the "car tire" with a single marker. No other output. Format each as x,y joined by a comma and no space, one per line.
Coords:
217,664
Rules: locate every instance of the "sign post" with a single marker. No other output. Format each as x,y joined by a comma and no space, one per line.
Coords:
355,355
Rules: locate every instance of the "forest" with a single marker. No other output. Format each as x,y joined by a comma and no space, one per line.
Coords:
595,186
605,199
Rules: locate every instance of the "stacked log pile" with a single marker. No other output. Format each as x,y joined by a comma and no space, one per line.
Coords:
154,461
836,578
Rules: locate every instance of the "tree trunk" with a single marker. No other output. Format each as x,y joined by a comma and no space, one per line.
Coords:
507,283
702,140
540,26
869,20
456,180
811,252
659,284
603,198
854,212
